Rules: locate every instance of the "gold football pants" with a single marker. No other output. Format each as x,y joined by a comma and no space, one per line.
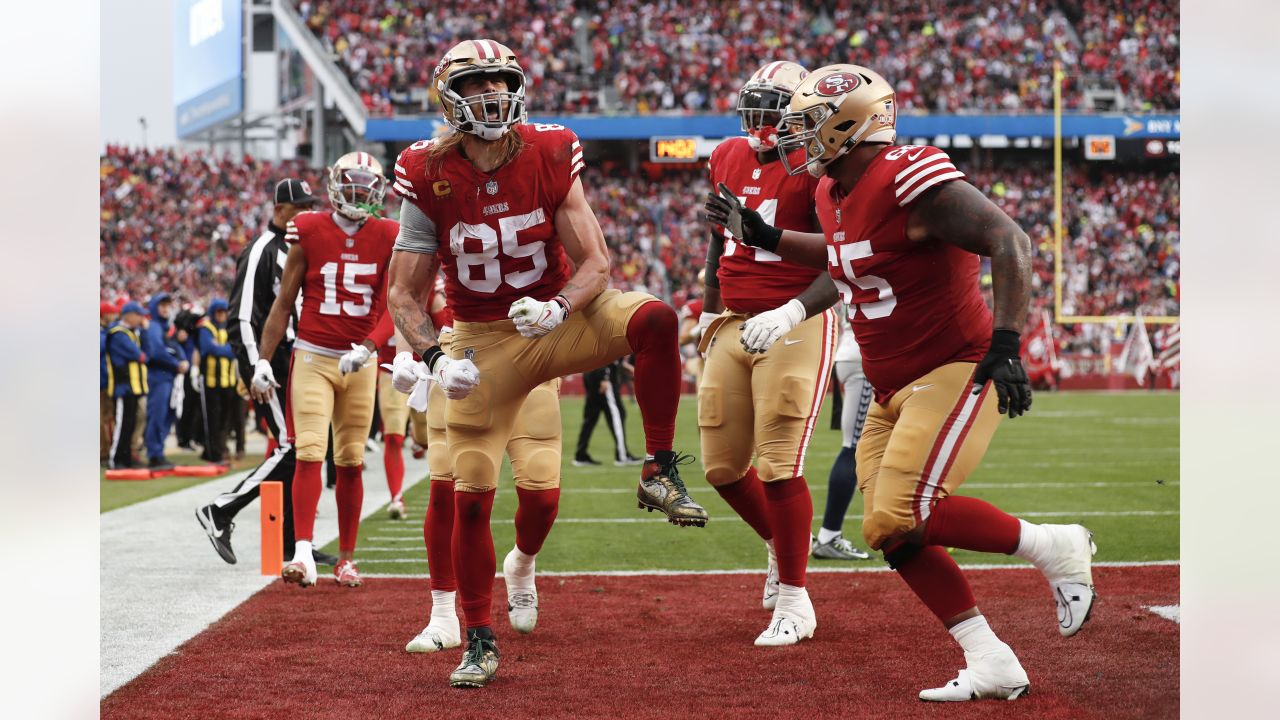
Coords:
320,395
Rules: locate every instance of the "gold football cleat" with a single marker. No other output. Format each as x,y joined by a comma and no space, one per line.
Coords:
662,489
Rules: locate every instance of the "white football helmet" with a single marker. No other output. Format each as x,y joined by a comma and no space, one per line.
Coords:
357,185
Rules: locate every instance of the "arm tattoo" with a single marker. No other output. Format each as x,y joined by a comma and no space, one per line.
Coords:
958,214
419,331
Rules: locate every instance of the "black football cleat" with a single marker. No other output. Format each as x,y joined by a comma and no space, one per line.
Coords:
218,530
662,489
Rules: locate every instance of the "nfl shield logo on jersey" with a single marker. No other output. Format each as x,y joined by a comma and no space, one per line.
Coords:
351,242
491,187
469,353
755,174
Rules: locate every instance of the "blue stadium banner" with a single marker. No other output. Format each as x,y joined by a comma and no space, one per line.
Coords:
643,127
208,63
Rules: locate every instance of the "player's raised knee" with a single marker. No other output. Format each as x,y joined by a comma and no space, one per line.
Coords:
879,527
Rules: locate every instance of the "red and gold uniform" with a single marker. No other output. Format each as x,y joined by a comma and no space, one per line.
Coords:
343,297
497,243
922,326
762,404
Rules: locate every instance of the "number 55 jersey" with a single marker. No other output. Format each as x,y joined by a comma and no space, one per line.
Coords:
496,232
913,306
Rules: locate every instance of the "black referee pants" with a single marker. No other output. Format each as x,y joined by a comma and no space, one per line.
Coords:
608,404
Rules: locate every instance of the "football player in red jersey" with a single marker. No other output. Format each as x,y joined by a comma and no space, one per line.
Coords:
499,206
339,261
753,403
902,232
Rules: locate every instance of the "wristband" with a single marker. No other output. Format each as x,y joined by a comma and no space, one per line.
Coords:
564,301
431,355
1006,343
770,238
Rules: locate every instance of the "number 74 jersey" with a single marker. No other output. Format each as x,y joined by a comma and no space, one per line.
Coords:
496,231
344,291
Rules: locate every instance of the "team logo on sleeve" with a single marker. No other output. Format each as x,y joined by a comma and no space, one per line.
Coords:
837,84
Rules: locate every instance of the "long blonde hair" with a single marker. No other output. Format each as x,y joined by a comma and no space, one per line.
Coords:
511,143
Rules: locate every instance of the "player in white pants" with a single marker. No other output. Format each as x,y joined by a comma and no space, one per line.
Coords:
830,543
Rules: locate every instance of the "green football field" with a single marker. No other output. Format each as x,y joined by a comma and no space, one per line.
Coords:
1109,461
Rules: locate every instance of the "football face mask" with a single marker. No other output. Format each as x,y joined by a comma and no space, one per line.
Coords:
357,193
760,114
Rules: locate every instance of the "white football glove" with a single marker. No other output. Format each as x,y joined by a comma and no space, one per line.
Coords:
534,318
264,381
704,322
354,360
763,330
457,378
406,372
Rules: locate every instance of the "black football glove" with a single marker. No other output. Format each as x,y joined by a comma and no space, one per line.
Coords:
743,223
1003,368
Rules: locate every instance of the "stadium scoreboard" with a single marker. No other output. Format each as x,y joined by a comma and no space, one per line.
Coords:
673,149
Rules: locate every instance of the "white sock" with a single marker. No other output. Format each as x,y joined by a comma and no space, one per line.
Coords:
1035,544
976,637
773,556
825,536
302,550
442,605
523,563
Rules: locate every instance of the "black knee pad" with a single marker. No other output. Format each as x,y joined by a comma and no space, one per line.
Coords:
901,554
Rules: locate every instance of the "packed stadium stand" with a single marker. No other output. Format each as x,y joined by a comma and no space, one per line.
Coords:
691,56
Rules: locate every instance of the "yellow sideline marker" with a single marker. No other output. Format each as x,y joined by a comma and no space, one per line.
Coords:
271,496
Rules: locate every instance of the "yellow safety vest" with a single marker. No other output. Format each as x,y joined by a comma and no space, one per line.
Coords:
134,370
219,372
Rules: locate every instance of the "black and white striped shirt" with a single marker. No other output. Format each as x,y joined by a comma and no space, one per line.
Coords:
258,273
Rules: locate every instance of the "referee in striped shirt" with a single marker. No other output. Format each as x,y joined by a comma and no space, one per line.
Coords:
258,273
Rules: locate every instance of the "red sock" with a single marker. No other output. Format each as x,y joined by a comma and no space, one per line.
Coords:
746,496
972,524
349,492
473,558
393,461
534,516
790,511
437,531
653,336
932,574
307,487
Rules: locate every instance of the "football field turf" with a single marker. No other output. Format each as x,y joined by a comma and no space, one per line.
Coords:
1109,461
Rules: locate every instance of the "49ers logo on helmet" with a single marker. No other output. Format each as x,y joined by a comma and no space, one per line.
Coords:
837,84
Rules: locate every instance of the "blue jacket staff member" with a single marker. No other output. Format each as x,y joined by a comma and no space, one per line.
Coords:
219,362
126,380
165,361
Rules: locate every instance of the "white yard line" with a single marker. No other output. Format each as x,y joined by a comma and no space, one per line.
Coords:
844,569
162,582
1168,612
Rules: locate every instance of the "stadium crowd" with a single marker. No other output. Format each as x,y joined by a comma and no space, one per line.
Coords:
690,56
175,224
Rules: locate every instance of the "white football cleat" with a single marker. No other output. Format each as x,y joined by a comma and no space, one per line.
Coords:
1070,573
346,574
300,570
770,599
793,619
438,635
395,510
994,676
522,594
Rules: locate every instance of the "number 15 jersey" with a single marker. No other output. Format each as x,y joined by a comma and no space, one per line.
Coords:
495,231
344,291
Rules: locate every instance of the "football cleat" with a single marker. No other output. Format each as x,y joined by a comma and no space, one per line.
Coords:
395,510
662,489
300,571
771,579
418,451
346,574
793,619
837,548
439,634
480,661
218,530
1070,574
522,595
585,461
994,676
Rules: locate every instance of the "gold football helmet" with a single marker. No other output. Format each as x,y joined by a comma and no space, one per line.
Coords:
357,185
763,100
833,110
487,115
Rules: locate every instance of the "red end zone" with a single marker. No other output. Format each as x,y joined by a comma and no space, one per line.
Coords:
663,646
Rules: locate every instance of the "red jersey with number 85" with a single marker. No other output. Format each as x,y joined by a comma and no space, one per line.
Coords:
913,306
496,232
751,279
344,291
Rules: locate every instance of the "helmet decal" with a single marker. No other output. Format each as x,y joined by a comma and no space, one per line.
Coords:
837,84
